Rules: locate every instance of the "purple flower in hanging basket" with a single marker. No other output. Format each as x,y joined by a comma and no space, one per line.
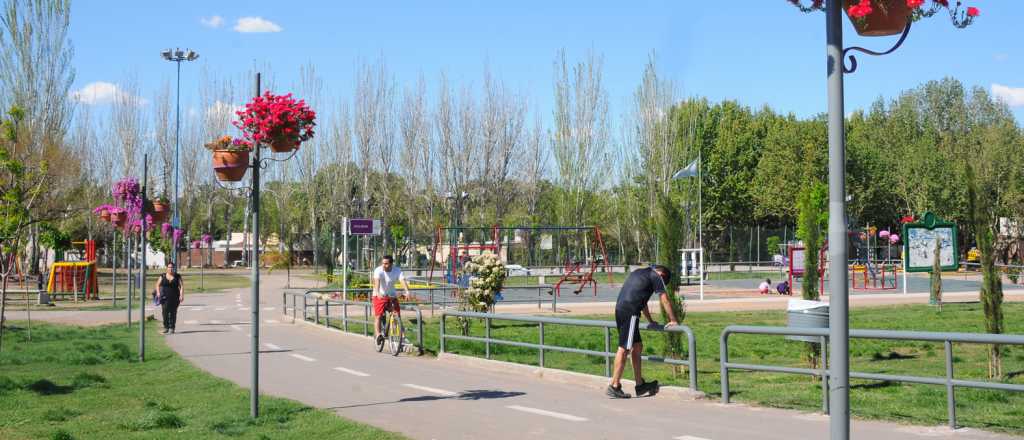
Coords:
207,238
104,207
166,229
176,236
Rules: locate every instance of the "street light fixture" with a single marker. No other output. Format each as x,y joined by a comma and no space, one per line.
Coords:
177,56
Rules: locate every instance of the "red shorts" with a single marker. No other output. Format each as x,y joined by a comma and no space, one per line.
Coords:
380,303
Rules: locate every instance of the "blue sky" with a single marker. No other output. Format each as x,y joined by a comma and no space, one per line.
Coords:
755,51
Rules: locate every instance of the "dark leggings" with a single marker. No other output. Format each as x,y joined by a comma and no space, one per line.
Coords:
170,313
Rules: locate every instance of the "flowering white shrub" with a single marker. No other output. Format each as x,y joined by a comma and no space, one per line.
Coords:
488,278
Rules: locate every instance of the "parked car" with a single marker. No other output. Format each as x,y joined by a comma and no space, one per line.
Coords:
516,270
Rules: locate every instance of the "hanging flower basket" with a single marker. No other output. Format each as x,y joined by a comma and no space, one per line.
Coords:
278,121
880,18
874,18
117,218
103,211
105,215
158,209
230,165
284,143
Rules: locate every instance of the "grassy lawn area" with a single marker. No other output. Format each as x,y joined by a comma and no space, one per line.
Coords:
907,403
77,383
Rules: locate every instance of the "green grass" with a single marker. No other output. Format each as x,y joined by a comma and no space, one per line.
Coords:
908,403
77,383
212,282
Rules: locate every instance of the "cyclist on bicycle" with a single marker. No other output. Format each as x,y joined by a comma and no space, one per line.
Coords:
384,295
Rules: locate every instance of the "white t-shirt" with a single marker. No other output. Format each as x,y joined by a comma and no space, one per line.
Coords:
387,280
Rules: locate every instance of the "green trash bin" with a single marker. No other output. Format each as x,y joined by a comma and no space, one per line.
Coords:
807,314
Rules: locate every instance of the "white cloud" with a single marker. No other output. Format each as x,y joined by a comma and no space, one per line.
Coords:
256,24
101,92
213,22
1012,96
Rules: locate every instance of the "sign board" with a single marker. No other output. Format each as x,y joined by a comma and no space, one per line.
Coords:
796,261
364,226
545,242
919,244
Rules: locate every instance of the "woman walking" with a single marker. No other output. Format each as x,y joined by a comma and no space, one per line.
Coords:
172,294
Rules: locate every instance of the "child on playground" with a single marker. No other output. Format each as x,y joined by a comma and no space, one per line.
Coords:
783,288
766,287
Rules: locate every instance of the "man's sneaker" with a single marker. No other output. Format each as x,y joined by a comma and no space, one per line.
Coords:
616,393
647,388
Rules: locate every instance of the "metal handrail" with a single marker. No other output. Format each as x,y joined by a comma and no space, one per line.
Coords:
690,363
434,301
317,302
946,338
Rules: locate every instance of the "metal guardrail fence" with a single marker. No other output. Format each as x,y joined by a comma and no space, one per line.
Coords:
317,303
607,354
444,296
946,338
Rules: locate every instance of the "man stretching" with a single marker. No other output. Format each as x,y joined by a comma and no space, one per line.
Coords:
384,296
633,297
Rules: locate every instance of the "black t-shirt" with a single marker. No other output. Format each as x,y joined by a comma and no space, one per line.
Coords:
638,288
170,291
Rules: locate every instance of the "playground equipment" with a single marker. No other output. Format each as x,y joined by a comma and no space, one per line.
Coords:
578,258
76,277
872,265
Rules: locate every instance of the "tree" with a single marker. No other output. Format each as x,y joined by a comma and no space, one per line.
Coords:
812,220
936,276
20,189
579,137
670,240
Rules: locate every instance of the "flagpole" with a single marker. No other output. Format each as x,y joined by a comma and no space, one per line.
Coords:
700,219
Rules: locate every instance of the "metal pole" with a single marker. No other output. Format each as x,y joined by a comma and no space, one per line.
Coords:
113,272
176,219
142,262
131,280
839,320
254,353
344,258
700,217
950,391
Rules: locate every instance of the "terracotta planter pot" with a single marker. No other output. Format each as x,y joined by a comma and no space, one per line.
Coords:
118,218
105,215
283,143
160,210
230,166
889,17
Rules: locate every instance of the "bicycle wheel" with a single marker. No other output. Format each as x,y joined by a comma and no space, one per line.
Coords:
383,332
397,334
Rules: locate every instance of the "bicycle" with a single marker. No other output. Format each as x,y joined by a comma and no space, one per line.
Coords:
392,329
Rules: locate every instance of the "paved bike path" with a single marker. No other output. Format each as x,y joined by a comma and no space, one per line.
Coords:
427,398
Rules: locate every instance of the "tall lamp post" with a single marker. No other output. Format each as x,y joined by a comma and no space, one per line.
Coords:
177,56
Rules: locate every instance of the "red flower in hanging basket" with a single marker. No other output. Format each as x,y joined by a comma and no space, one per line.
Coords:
280,121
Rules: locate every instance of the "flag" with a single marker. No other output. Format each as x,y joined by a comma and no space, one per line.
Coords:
689,171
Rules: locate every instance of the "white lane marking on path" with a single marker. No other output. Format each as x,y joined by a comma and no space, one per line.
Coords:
197,309
271,346
542,412
352,372
431,390
236,327
268,308
689,437
215,321
303,358
271,321
191,322
219,309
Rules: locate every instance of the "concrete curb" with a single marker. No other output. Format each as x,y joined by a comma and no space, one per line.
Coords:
598,383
